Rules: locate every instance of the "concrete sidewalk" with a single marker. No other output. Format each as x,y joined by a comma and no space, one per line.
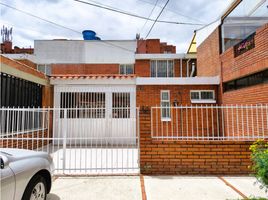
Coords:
154,188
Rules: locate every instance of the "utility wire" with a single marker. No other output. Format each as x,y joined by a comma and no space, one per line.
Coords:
48,21
149,15
175,12
156,19
135,15
61,26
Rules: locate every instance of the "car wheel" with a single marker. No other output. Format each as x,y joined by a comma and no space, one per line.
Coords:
36,189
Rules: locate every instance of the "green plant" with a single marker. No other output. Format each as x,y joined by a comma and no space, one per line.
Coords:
259,156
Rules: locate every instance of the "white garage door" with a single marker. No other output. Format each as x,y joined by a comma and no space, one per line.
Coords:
95,114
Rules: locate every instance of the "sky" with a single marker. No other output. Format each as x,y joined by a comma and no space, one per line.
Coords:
109,25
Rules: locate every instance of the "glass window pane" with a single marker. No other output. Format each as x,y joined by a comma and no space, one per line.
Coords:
195,95
165,96
122,69
243,82
243,21
153,68
162,68
129,69
48,69
170,68
41,68
206,95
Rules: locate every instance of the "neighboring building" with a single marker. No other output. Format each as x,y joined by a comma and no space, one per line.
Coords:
235,48
23,86
114,75
6,48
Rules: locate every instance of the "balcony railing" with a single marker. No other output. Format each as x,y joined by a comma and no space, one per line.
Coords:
245,45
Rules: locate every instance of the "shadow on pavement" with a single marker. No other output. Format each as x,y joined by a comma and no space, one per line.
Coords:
52,196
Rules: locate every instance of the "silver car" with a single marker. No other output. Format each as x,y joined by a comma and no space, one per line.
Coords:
25,174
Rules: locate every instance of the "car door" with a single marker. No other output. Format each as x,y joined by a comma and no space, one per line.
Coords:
7,186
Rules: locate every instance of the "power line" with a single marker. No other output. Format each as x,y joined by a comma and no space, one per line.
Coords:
135,15
173,11
48,21
56,24
149,15
156,19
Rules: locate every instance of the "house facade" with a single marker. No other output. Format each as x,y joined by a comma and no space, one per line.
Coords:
235,48
173,111
113,78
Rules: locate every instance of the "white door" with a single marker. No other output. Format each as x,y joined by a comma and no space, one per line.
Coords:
95,114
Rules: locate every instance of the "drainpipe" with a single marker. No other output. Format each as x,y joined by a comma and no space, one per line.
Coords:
187,67
181,66
193,70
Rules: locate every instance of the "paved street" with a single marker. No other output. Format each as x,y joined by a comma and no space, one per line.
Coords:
155,188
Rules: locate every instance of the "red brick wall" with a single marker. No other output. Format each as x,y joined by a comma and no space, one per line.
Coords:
257,94
208,61
194,158
17,141
85,69
211,63
249,62
191,157
169,156
154,46
149,95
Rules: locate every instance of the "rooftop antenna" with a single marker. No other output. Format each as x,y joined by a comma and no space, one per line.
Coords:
6,34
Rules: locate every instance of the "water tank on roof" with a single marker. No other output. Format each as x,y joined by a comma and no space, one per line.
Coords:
89,35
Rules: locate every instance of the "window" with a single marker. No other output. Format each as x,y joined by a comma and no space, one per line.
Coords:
46,69
162,68
165,105
83,104
254,79
126,69
241,22
121,105
16,92
202,96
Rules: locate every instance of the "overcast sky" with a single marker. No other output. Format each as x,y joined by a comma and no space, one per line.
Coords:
108,25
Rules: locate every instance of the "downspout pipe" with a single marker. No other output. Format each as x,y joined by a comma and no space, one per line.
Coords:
181,67
187,67
193,70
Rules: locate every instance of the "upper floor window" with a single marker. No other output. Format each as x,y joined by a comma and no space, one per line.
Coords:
242,21
203,96
45,68
126,69
162,68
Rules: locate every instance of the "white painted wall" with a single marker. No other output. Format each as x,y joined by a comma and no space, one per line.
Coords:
82,51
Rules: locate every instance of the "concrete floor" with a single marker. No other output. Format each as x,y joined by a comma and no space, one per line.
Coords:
156,188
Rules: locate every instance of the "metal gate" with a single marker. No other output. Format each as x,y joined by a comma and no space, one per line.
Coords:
98,123
91,130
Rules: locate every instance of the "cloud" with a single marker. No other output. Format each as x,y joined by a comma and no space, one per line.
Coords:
108,25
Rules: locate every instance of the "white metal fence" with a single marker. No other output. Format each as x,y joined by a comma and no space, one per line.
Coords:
80,140
210,122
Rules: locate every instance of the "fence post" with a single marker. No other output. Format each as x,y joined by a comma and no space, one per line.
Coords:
64,139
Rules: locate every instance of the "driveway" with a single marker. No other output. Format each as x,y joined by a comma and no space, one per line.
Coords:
154,188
